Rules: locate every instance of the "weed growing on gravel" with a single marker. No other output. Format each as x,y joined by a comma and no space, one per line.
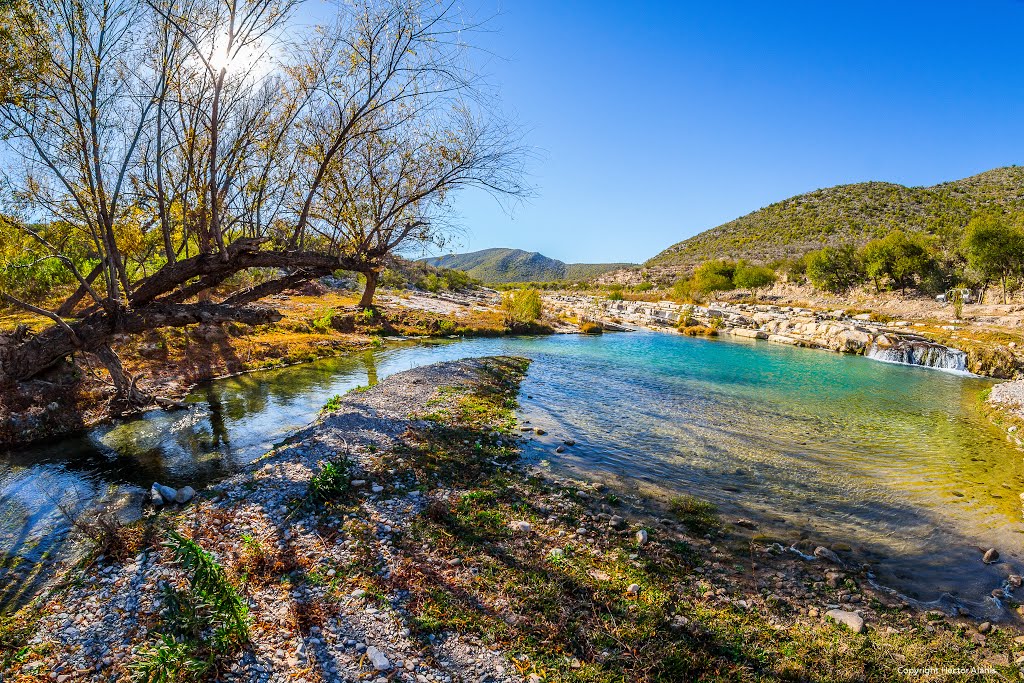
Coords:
15,632
208,621
331,482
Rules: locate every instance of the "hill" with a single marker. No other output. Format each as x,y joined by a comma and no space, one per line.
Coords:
515,265
853,213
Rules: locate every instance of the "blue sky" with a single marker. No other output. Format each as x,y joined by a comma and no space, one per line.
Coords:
657,120
653,121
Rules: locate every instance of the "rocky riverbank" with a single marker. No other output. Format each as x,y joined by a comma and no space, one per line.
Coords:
839,330
398,538
317,323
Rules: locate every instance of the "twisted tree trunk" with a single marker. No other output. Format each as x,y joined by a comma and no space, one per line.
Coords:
372,277
160,300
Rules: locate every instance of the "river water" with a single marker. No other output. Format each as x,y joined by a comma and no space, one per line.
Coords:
899,462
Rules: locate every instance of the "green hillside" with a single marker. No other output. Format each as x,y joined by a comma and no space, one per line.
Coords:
849,213
515,265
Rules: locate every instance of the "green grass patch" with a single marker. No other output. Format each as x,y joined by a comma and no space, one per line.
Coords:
698,516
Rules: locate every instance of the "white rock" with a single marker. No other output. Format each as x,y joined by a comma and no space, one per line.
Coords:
641,537
356,483
377,658
851,620
633,589
520,525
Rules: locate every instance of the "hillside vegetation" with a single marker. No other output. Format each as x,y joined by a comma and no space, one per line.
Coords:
515,265
849,214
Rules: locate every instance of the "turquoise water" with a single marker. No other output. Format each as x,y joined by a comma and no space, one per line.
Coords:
897,461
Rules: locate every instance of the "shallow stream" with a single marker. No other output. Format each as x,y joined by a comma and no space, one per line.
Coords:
899,462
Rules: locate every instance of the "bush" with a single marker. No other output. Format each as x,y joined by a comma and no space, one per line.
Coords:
392,279
202,624
714,276
753,277
521,307
591,327
323,321
682,290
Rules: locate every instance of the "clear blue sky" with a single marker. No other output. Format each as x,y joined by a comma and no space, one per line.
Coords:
658,120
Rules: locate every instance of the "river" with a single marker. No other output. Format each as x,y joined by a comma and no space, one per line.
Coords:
899,462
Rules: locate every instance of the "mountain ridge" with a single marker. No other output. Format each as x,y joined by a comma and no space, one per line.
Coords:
850,213
506,265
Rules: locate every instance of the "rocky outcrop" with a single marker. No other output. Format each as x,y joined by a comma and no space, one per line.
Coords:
834,330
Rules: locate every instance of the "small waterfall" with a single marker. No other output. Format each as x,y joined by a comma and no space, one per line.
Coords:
920,353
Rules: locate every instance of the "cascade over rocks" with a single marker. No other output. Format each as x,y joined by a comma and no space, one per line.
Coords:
795,326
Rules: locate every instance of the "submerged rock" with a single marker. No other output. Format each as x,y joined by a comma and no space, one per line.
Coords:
991,555
851,620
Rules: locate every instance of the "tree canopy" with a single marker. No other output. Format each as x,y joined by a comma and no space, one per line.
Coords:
994,248
164,146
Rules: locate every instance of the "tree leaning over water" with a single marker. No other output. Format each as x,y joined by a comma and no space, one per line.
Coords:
163,147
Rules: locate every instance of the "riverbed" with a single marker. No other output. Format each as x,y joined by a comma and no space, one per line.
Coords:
898,462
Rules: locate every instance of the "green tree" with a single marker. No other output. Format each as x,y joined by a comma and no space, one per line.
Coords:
714,276
994,248
753,277
898,257
835,269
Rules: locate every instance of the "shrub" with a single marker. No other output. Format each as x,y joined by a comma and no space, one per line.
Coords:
753,277
392,279
323,321
591,327
521,307
714,276
333,403
698,331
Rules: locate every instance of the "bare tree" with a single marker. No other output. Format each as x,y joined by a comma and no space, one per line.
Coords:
183,145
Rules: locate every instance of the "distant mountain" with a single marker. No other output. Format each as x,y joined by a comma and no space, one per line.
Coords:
848,214
515,265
